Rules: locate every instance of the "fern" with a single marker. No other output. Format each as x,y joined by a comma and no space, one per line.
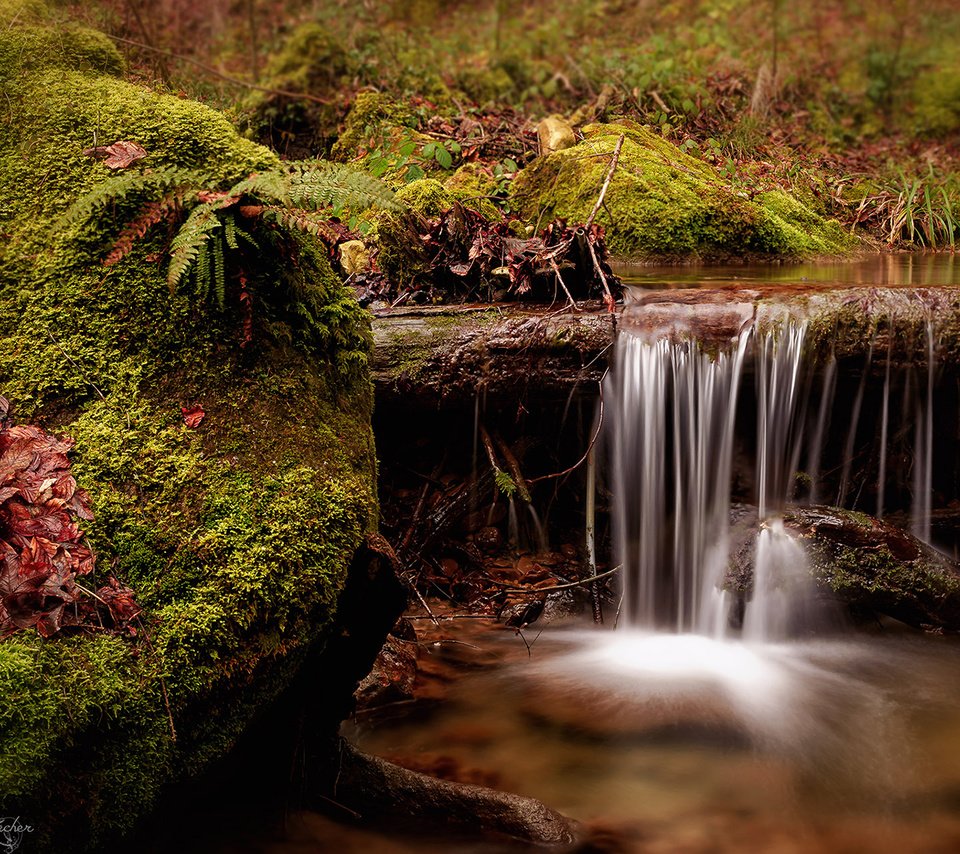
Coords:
127,187
190,245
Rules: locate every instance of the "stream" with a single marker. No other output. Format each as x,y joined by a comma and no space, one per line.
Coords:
775,735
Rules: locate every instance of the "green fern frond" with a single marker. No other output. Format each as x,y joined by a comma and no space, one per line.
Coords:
315,185
270,186
218,272
125,188
191,241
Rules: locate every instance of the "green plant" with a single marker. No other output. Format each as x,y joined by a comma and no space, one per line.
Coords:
411,159
221,226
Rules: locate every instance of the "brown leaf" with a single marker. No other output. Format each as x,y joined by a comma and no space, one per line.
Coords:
193,415
118,155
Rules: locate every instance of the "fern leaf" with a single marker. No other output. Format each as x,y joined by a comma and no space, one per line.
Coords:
155,212
191,240
119,191
230,232
217,271
202,271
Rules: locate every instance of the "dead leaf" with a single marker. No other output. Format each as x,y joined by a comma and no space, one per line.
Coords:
118,155
193,415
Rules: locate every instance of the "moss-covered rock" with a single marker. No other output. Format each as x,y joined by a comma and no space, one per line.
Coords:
663,202
312,61
871,566
236,535
373,119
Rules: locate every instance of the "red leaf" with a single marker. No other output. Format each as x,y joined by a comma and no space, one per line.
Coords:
192,416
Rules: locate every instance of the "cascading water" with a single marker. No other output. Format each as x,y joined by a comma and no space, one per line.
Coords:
673,437
675,414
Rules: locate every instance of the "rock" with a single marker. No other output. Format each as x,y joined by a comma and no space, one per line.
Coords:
392,677
555,133
664,202
489,539
237,535
394,797
354,257
868,564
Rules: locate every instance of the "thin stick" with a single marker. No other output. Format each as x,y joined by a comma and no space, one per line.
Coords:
610,301
300,96
586,453
582,583
563,285
514,466
423,602
606,182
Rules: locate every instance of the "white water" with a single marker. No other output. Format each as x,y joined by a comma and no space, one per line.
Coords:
673,441
674,436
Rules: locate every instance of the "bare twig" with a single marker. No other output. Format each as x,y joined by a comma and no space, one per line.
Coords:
582,583
556,270
606,182
586,453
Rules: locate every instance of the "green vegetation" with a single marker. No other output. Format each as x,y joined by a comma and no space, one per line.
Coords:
663,202
235,535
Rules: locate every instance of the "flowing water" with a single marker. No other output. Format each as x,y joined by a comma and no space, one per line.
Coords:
702,724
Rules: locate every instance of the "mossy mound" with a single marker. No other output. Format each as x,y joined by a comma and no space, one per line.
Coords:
662,202
312,61
236,535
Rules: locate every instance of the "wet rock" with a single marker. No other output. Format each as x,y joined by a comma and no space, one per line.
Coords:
872,566
390,796
489,540
393,675
555,133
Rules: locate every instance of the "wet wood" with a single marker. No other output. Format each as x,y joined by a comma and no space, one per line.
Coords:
450,354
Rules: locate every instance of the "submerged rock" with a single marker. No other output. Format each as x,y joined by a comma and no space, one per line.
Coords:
395,797
664,202
236,533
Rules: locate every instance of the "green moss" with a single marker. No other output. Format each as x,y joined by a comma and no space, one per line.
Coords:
473,185
370,120
236,535
312,60
663,202
426,197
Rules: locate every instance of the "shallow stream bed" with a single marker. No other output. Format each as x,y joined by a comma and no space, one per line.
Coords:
679,743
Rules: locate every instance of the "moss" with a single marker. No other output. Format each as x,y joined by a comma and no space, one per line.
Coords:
426,197
473,185
235,535
370,120
663,202
312,60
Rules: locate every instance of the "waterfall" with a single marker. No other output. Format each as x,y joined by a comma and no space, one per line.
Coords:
673,441
671,581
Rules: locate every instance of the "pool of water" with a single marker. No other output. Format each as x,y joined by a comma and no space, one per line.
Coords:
881,270
684,744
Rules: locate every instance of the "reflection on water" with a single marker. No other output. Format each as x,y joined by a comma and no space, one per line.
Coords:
684,743
887,270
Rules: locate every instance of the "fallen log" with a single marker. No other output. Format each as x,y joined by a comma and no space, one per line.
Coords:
450,354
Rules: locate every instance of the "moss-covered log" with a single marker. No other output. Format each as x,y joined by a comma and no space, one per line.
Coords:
450,353
236,534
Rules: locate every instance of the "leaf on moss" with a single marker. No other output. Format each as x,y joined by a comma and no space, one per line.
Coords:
42,549
193,415
118,155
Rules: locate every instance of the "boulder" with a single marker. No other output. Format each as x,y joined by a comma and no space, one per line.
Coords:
663,202
236,531
869,565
